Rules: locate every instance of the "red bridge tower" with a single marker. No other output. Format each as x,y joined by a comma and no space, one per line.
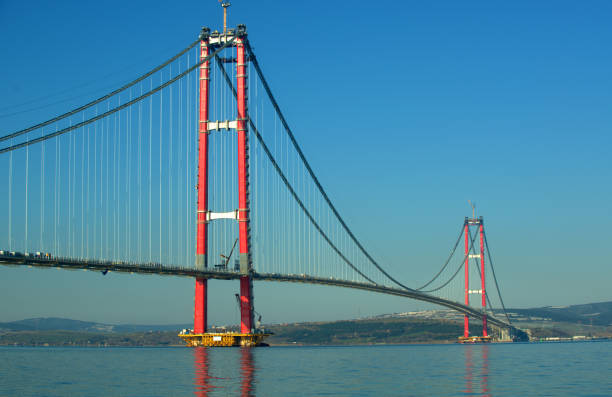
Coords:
472,256
247,335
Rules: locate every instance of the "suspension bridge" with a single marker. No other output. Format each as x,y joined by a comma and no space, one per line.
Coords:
197,150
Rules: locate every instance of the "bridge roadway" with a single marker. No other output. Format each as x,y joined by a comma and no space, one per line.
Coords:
165,270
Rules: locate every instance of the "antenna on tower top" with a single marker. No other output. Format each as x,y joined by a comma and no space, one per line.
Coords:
473,205
225,5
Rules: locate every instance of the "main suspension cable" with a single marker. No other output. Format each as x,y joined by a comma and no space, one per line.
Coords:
458,269
310,171
447,260
102,98
286,181
118,108
495,279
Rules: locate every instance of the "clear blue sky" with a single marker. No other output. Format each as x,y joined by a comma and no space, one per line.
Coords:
412,106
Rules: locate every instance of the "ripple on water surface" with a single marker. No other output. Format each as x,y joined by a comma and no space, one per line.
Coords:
553,369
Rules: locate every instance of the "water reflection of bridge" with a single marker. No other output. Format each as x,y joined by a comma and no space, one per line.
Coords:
477,369
242,380
206,383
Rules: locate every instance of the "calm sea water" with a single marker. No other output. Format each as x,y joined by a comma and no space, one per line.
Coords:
538,369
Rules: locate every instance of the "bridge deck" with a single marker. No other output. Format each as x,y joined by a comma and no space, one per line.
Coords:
165,270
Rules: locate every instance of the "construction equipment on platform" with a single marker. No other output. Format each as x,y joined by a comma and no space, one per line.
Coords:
227,339
258,322
226,258
475,339
223,339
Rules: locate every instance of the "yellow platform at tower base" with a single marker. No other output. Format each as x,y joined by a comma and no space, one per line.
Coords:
224,339
475,339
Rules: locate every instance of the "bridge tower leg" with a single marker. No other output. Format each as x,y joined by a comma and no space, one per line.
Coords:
466,320
201,287
482,277
246,282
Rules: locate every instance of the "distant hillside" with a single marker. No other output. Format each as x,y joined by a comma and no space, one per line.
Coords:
590,313
47,324
59,332
382,329
364,331
63,324
80,338
368,331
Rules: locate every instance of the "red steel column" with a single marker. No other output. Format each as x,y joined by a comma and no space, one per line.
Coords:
246,286
466,320
201,290
482,276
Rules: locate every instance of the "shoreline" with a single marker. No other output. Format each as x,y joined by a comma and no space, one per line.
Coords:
102,346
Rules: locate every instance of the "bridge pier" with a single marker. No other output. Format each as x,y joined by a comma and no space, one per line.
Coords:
246,304
200,323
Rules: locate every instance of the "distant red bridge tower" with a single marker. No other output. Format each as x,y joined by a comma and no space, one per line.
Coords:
472,257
